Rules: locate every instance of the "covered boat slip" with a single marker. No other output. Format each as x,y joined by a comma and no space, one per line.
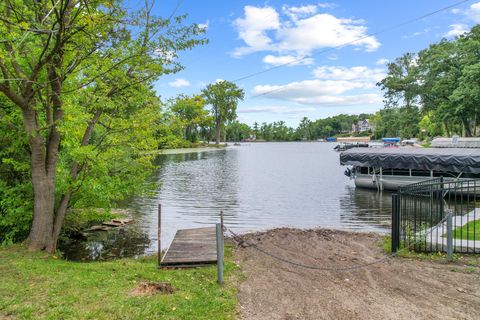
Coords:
437,159
389,168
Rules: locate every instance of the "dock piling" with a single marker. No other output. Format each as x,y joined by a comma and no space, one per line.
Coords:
219,240
159,234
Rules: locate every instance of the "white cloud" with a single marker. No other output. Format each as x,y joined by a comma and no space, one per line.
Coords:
167,55
318,92
204,25
306,88
286,60
333,86
326,5
252,29
325,30
381,62
297,12
358,73
417,33
275,109
179,82
301,31
325,92
332,57
474,12
359,99
457,29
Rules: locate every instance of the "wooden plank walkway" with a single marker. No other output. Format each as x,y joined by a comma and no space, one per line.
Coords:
191,248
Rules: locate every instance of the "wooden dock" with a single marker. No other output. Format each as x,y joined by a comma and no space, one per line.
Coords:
191,248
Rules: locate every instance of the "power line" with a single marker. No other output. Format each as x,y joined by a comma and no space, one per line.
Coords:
177,6
387,29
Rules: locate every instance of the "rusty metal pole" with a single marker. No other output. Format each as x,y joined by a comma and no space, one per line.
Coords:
159,234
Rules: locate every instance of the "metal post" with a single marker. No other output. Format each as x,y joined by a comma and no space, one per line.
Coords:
159,234
449,237
219,236
381,179
221,218
395,223
442,195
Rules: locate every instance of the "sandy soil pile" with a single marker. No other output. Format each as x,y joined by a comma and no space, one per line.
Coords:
396,288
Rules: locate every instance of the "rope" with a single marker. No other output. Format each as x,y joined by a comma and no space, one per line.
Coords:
241,242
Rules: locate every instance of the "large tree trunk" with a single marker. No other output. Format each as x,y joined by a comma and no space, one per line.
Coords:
447,128
40,237
475,124
466,127
43,163
44,156
43,182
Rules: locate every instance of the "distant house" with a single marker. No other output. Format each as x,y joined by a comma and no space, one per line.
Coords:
361,126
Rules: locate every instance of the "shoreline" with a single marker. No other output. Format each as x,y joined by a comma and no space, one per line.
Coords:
191,150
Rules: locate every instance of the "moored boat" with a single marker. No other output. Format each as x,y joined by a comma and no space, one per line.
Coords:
391,168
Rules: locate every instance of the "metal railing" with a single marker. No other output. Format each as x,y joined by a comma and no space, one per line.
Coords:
437,215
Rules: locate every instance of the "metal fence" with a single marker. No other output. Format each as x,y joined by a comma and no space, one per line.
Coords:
437,215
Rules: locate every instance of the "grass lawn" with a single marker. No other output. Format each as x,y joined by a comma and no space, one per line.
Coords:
41,286
470,231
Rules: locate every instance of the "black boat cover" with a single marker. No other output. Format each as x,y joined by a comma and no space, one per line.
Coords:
436,159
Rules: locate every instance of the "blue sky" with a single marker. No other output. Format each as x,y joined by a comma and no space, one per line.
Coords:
247,37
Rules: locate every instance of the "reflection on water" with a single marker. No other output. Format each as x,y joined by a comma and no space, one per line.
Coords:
362,207
259,186
102,245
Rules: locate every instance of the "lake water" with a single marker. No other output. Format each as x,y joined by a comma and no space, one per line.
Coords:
258,186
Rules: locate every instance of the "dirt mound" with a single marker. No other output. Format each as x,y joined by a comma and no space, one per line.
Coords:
151,288
393,288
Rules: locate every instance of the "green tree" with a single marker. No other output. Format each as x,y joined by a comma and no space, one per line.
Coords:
237,131
15,185
304,129
400,86
266,131
256,130
440,70
192,114
81,75
441,82
223,96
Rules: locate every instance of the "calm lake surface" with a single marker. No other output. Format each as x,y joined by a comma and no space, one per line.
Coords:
258,186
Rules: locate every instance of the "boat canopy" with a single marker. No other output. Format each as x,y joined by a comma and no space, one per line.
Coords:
391,140
436,159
